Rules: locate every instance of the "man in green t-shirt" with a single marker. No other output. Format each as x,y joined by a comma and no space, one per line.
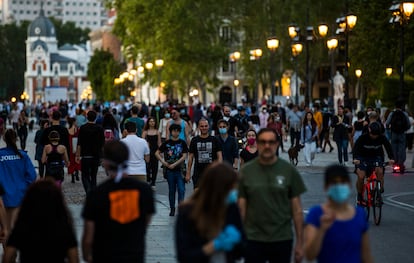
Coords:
269,200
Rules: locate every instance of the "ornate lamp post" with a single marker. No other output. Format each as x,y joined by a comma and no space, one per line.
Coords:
346,24
332,43
297,48
272,44
255,55
359,92
149,67
234,57
159,63
401,12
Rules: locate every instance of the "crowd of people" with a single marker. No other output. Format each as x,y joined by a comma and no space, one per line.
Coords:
252,210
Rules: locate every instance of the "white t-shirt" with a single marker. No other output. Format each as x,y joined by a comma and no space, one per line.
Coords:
138,148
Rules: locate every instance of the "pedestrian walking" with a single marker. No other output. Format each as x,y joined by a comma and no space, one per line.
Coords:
139,122
39,147
204,150
185,128
309,137
175,152
230,148
56,158
269,201
44,228
209,227
55,125
16,174
341,123
89,150
74,168
117,213
163,125
337,231
249,152
22,129
153,137
294,121
139,152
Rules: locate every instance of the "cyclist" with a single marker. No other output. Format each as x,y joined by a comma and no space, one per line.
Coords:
368,149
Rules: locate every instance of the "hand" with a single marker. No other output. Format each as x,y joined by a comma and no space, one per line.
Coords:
391,162
327,219
187,177
227,239
356,162
77,159
3,235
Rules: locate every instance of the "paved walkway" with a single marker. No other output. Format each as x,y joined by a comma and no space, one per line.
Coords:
160,235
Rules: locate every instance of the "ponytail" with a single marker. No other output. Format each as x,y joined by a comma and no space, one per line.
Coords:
10,137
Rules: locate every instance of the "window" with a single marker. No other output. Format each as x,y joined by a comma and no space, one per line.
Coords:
74,3
49,12
28,12
88,13
74,13
27,2
95,13
81,13
48,3
21,12
67,13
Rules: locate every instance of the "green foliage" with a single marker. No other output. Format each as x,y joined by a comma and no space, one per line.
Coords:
13,56
68,33
102,71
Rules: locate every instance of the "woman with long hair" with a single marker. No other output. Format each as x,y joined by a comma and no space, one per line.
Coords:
74,168
250,151
44,229
109,122
309,137
209,226
16,174
153,137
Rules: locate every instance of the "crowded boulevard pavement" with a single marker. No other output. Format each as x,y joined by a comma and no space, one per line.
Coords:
160,236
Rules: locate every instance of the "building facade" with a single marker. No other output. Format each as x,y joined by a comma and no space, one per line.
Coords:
84,13
53,73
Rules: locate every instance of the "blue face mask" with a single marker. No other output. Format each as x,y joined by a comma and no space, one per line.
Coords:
157,108
339,193
167,115
223,130
232,197
182,111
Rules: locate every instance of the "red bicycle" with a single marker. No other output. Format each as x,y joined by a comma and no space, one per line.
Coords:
371,191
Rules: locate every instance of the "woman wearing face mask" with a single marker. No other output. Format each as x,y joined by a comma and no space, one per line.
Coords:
335,230
209,227
250,151
163,125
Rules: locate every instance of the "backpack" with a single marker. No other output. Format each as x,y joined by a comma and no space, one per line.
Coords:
399,123
109,135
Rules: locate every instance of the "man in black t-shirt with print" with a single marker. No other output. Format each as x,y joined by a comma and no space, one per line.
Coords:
204,150
117,213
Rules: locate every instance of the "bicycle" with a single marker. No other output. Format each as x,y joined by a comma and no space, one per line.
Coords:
371,192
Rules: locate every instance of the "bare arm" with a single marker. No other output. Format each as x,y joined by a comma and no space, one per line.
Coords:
73,256
87,240
9,255
187,133
44,154
242,207
3,223
297,215
159,139
220,156
65,156
189,165
366,249
147,158
167,131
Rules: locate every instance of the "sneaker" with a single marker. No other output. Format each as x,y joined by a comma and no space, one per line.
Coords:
153,187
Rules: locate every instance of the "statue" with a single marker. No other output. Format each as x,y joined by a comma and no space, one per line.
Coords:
295,86
338,83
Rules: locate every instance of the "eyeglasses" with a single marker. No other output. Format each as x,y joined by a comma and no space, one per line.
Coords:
263,142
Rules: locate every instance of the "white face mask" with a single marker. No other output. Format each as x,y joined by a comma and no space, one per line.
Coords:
226,118
264,110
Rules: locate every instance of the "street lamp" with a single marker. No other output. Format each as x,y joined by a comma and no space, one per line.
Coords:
346,24
159,63
149,67
359,92
255,55
234,57
296,50
272,44
332,43
401,12
388,71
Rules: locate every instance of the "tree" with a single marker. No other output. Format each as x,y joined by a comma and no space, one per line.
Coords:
102,71
69,33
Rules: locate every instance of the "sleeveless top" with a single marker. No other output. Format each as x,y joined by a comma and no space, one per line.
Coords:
152,142
54,156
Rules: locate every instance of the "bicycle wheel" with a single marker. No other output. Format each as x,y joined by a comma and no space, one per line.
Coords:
377,203
367,203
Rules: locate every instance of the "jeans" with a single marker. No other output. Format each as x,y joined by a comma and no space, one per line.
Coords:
89,171
175,182
342,146
398,141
